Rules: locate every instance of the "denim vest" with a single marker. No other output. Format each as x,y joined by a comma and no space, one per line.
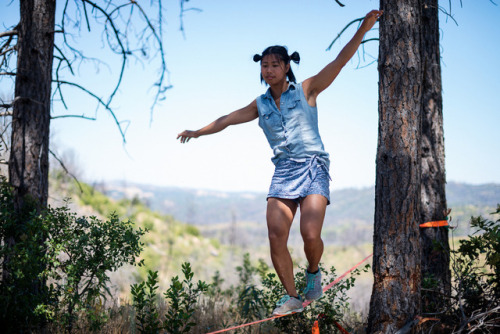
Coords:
292,130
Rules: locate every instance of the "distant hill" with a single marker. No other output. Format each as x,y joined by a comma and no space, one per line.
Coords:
349,218
168,243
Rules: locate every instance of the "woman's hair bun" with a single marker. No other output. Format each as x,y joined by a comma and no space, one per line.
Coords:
295,57
257,58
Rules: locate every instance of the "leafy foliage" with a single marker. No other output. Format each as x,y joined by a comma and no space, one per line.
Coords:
66,257
145,304
474,304
182,297
476,267
259,290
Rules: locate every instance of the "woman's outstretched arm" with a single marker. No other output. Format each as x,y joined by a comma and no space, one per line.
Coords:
243,115
316,84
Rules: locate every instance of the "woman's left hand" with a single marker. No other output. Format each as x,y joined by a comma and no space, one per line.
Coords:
370,20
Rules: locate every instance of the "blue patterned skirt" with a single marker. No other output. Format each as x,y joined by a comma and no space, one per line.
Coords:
294,179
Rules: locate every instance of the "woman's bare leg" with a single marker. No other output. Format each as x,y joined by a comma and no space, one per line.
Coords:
312,215
280,213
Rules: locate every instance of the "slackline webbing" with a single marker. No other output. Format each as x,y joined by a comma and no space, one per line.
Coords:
306,303
437,223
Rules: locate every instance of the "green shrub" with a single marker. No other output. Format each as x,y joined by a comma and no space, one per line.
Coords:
258,291
145,304
476,269
58,265
182,297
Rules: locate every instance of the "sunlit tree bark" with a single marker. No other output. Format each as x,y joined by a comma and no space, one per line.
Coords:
29,161
396,263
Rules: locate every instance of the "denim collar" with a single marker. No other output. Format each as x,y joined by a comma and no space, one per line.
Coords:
291,86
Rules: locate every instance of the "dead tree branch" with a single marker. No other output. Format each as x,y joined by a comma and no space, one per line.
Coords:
181,15
75,116
482,321
12,48
342,31
100,102
8,33
116,21
66,170
16,100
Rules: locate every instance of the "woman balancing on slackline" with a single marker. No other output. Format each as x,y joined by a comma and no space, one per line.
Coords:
287,113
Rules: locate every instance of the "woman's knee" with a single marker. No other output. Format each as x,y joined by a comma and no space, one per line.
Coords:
277,234
311,237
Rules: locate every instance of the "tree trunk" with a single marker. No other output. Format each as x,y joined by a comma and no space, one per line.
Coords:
434,241
29,163
396,263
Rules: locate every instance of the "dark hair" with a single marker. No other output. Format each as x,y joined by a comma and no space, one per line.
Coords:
282,53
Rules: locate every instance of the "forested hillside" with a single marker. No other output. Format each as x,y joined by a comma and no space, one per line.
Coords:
168,243
349,219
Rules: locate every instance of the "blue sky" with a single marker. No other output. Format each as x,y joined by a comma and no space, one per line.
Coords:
212,74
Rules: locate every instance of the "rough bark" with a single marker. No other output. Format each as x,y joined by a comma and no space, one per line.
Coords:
434,241
396,263
29,163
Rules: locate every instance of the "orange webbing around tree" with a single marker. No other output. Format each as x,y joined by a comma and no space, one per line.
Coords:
437,223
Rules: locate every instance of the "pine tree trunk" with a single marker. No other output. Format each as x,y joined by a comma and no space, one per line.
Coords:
434,241
396,263
29,163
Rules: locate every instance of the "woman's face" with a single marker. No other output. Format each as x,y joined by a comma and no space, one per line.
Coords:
273,69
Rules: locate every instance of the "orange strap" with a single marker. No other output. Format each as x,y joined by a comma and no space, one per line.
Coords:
341,329
315,329
437,223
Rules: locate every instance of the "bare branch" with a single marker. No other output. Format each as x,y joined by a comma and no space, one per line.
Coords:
116,33
481,317
99,100
7,50
66,170
181,15
342,31
16,100
5,142
8,33
64,58
339,3
447,13
77,116
158,38
8,73
5,113
369,40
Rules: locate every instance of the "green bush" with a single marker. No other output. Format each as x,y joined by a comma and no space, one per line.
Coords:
58,264
145,300
182,297
258,291
476,269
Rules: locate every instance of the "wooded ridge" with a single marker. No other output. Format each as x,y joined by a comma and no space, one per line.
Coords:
351,209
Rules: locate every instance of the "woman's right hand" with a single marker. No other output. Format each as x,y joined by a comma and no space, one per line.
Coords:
370,20
186,135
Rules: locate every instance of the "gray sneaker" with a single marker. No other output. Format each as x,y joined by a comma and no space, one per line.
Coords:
287,305
313,288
